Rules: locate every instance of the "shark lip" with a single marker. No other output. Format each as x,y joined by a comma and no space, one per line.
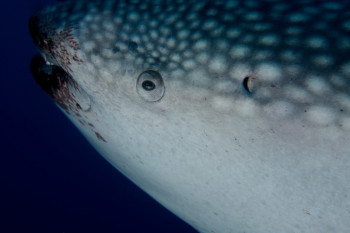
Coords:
49,77
59,85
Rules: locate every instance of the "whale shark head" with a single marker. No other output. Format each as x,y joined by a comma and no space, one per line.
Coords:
235,115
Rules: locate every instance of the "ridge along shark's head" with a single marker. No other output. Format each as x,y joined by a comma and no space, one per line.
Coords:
176,94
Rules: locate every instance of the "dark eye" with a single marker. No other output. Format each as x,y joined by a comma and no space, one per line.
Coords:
150,85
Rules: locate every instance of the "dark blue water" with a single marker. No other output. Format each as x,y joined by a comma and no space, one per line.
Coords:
51,179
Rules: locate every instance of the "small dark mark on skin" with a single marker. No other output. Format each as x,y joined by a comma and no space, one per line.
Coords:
99,137
307,212
91,125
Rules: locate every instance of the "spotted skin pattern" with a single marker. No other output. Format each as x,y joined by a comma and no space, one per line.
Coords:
298,51
252,131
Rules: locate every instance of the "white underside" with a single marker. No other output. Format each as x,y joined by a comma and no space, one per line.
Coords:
223,173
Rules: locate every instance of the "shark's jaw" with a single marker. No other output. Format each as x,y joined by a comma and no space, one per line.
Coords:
235,115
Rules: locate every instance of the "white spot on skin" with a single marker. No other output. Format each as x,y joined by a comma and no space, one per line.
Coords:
182,45
346,25
178,74
294,30
259,27
218,64
320,115
316,42
233,33
88,46
338,80
189,64
298,94
175,57
228,17
269,40
212,12
268,72
346,69
263,54
239,71
183,34
289,55
231,4
222,103
97,60
292,70
298,18
108,25
165,31
323,60
317,85
253,16
107,53
246,107
264,91
201,45
202,58
332,6
239,51
209,24
171,43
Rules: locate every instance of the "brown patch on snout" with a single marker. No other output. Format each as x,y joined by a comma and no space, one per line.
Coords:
59,43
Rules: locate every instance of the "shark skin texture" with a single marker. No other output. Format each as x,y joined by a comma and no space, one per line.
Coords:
234,115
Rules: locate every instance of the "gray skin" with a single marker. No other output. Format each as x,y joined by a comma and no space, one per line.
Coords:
234,115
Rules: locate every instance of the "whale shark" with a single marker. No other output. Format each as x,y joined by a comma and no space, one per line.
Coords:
234,115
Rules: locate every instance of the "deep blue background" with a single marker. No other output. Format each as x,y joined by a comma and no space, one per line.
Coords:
51,179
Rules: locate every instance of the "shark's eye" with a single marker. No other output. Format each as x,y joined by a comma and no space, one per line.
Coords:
150,85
